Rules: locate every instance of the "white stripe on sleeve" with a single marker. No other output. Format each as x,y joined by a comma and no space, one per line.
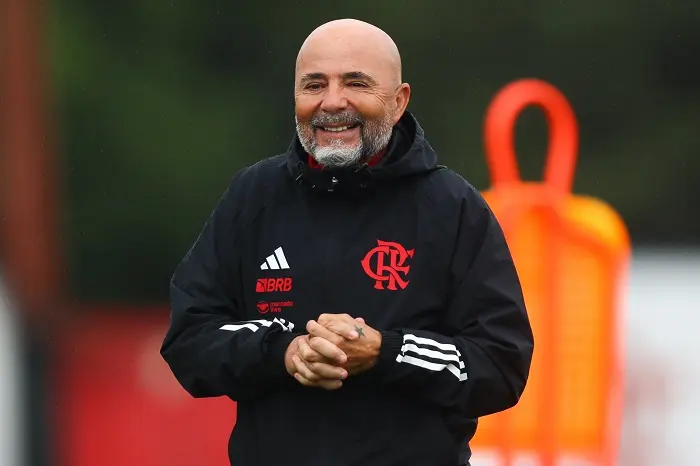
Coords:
436,357
255,325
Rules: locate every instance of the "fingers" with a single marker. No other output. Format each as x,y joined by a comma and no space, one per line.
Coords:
326,384
322,351
360,320
313,360
327,349
315,329
318,374
307,353
327,371
331,328
302,369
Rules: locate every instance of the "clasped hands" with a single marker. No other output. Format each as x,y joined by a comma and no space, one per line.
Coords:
336,347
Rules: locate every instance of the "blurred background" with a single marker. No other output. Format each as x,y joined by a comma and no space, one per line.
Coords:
121,124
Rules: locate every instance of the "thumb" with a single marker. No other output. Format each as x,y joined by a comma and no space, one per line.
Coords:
360,320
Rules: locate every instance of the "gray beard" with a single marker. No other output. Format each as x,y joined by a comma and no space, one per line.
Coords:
374,137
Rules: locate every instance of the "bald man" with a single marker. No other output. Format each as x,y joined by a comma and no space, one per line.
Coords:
357,300
348,93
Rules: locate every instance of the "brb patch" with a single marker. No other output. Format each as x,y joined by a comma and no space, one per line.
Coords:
271,285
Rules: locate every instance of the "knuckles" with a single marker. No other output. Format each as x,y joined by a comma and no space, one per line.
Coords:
308,354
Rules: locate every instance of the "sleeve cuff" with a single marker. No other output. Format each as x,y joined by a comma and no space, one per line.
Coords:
391,346
277,344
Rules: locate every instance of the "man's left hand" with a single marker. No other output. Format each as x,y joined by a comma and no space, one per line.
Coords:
359,341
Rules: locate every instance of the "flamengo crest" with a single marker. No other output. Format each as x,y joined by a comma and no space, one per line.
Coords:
389,270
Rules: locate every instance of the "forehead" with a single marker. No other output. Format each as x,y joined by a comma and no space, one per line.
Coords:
334,58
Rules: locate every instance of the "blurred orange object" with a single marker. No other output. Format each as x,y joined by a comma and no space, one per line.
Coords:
572,254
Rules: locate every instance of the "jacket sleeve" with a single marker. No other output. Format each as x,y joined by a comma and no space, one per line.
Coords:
210,347
479,363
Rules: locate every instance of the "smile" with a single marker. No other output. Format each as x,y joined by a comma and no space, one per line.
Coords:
337,129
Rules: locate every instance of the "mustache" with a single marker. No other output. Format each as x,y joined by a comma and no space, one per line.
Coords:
344,118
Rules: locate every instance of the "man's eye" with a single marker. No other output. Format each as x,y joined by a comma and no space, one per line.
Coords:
313,86
358,84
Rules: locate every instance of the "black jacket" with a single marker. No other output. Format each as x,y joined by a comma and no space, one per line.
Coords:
408,245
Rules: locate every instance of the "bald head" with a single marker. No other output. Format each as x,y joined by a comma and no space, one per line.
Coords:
365,44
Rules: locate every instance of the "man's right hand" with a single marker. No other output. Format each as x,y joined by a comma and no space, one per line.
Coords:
319,367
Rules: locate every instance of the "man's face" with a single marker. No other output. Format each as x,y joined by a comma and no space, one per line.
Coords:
344,102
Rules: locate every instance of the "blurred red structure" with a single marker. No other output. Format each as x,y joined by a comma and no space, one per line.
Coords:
572,254
117,402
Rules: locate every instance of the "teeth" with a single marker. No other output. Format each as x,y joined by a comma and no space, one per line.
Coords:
340,128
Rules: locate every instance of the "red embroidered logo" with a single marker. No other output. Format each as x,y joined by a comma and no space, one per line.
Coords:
269,285
274,306
389,267
263,307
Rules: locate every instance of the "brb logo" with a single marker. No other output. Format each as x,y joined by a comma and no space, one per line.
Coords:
389,268
270,285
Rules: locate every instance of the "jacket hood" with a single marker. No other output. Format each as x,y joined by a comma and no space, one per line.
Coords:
408,154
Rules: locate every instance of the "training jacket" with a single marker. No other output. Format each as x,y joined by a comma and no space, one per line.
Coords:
406,244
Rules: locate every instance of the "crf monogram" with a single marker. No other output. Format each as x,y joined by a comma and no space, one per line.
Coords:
389,266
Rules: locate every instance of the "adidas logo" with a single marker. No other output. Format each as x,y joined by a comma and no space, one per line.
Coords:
275,261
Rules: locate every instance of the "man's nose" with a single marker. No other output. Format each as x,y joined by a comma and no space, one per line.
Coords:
334,99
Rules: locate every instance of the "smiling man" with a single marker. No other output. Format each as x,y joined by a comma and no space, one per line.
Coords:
357,300
349,93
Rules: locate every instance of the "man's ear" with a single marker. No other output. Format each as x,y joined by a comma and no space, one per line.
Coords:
403,95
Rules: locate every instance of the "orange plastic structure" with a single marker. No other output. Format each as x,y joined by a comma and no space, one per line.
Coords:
572,254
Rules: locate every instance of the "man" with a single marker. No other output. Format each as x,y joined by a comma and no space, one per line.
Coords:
357,300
